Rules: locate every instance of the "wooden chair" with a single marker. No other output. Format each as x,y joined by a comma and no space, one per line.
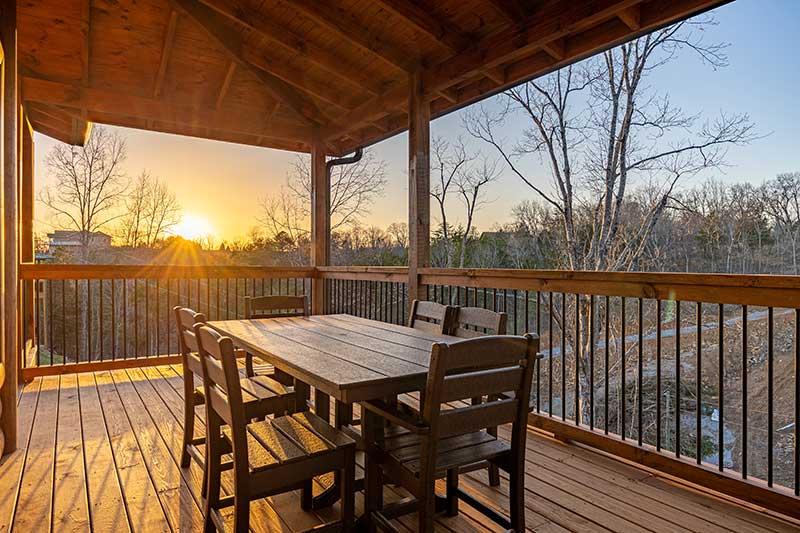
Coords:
263,396
270,456
431,317
471,322
273,307
438,442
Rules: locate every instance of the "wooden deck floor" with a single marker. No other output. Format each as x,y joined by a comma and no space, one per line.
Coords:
99,452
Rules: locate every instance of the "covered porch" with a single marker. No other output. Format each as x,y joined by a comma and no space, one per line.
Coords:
327,79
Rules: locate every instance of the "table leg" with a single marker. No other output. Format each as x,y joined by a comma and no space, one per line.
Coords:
372,431
343,417
302,393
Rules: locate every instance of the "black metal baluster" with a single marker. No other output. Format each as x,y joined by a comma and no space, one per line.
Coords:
563,356
147,317
770,392
677,379
89,320
101,319
605,366
592,318
576,350
797,402
658,375
623,401
550,357
721,389
639,374
699,387
77,328
744,391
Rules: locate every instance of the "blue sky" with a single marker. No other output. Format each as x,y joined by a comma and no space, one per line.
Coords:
763,79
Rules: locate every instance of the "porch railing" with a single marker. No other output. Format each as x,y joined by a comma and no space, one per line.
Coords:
695,375
89,314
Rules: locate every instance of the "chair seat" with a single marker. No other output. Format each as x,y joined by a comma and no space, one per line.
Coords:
288,439
261,395
451,452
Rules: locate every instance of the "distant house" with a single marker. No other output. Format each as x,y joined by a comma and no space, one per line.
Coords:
61,240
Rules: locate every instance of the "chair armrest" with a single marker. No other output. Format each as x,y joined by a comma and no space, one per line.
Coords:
396,416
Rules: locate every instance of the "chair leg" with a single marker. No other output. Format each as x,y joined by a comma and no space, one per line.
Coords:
306,495
517,498
452,488
188,416
494,471
241,512
212,478
427,510
347,481
248,365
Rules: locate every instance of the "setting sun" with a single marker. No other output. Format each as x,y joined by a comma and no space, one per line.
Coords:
193,227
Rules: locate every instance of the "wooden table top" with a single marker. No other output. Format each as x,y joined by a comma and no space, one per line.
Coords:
350,358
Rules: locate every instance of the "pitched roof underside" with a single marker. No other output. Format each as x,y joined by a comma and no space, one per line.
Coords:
282,74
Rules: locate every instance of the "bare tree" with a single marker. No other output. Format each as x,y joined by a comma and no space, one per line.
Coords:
471,184
598,126
782,203
89,184
353,189
447,161
151,210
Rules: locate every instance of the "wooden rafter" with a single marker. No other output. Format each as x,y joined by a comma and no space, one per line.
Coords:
437,27
343,24
297,44
166,50
550,22
233,43
114,103
226,84
556,48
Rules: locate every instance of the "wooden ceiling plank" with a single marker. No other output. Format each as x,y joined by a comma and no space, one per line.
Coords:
317,55
552,21
115,103
496,74
226,84
556,48
231,42
166,50
340,22
432,25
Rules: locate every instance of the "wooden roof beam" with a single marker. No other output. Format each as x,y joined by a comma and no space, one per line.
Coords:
166,50
342,23
252,122
434,26
317,55
552,21
232,42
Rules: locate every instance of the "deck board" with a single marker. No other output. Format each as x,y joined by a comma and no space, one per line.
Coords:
102,451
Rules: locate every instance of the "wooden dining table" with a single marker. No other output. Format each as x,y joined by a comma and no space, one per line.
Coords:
347,358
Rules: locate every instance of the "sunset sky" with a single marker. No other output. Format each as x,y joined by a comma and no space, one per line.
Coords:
220,184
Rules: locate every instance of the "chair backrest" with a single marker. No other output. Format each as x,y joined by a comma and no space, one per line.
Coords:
430,316
476,322
220,376
275,306
495,366
185,319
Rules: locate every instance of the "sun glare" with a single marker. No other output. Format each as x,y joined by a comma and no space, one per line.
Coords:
193,227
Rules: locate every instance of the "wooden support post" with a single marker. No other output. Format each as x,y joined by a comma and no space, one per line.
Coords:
26,244
8,392
419,212
320,224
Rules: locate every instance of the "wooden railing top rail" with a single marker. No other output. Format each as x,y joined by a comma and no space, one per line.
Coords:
73,271
370,273
744,289
760,290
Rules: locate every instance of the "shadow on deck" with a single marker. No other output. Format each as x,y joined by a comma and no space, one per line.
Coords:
100,452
